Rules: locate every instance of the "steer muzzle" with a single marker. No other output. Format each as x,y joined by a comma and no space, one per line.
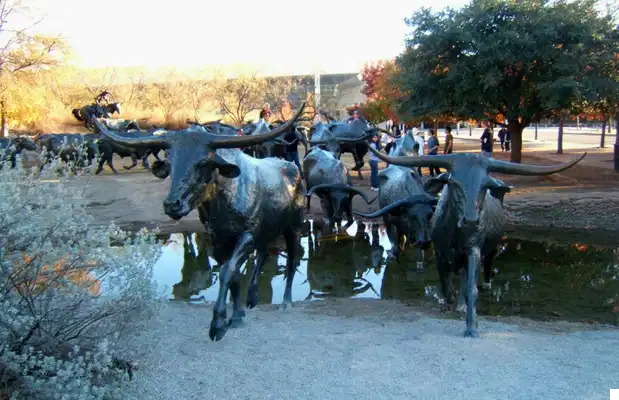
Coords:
175,209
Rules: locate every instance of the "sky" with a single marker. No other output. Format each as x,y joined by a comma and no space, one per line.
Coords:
327,36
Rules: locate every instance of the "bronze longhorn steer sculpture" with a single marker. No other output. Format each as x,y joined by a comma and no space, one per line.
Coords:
469,220
328,178
12,147
340,137
244,203
406,208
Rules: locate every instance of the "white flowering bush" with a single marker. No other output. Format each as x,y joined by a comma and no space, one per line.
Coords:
70,304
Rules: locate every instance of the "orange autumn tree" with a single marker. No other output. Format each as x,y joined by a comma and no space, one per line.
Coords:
381,91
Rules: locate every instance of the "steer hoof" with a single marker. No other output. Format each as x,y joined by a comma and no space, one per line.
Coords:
471,332
285,305
218,330
236,320
252,299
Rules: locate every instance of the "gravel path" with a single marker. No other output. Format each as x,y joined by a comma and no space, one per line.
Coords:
369,349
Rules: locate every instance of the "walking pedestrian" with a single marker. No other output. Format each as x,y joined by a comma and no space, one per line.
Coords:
433,145
502,135
508,140
292,150
374,164
449,141
422,147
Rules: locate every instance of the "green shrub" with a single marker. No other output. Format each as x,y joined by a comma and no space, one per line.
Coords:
70,304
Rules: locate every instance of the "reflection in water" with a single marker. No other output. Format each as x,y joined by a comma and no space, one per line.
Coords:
531,279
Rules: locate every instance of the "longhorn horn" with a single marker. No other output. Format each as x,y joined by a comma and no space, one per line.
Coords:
354,191
406,202
317,142
442,161
506,167
141,142
318,187
254,139
383,131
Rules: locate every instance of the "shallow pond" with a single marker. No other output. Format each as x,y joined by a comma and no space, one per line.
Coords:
544,281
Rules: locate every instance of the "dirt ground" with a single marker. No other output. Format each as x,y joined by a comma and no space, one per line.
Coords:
585,197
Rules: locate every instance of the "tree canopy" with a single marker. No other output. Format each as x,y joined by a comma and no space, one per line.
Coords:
523,60
380,90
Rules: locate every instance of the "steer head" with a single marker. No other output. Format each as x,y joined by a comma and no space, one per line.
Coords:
468,177
192,160
333,143
416,211
339,197
24,143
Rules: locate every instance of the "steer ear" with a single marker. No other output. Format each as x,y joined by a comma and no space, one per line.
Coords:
497,188
434,185
161,169
225,168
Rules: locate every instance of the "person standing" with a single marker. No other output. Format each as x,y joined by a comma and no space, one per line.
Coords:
292,150
374,164
433,145
486,143
265,113
502,135
422,147
449,141
508,140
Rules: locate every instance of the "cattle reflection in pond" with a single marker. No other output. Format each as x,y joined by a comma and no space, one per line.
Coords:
537,280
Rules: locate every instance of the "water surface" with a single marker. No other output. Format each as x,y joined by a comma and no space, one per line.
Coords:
538,280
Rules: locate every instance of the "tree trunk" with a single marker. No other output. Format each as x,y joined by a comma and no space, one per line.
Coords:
616,150
458,128
3,124
470,129
560,137
603,137
536,130
578,122
515,134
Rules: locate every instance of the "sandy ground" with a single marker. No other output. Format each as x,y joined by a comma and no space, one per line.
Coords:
376,349
370,349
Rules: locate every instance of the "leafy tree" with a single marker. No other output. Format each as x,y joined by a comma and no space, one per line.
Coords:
240,96
380,90
21,54
495,57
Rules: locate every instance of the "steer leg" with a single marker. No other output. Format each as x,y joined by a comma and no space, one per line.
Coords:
134,162
487,260
145,163
237,309
227,274
252,288
395,237
445,276
471,293
292,237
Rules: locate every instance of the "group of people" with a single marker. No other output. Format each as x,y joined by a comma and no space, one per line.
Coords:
433,145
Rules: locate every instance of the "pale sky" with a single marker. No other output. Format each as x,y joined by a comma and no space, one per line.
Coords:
278,36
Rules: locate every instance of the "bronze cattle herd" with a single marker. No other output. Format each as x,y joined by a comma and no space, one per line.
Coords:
247,196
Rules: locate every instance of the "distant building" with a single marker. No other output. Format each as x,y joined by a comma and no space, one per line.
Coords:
330,89
349,94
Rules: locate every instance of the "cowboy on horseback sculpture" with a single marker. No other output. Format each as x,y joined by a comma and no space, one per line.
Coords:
102,108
